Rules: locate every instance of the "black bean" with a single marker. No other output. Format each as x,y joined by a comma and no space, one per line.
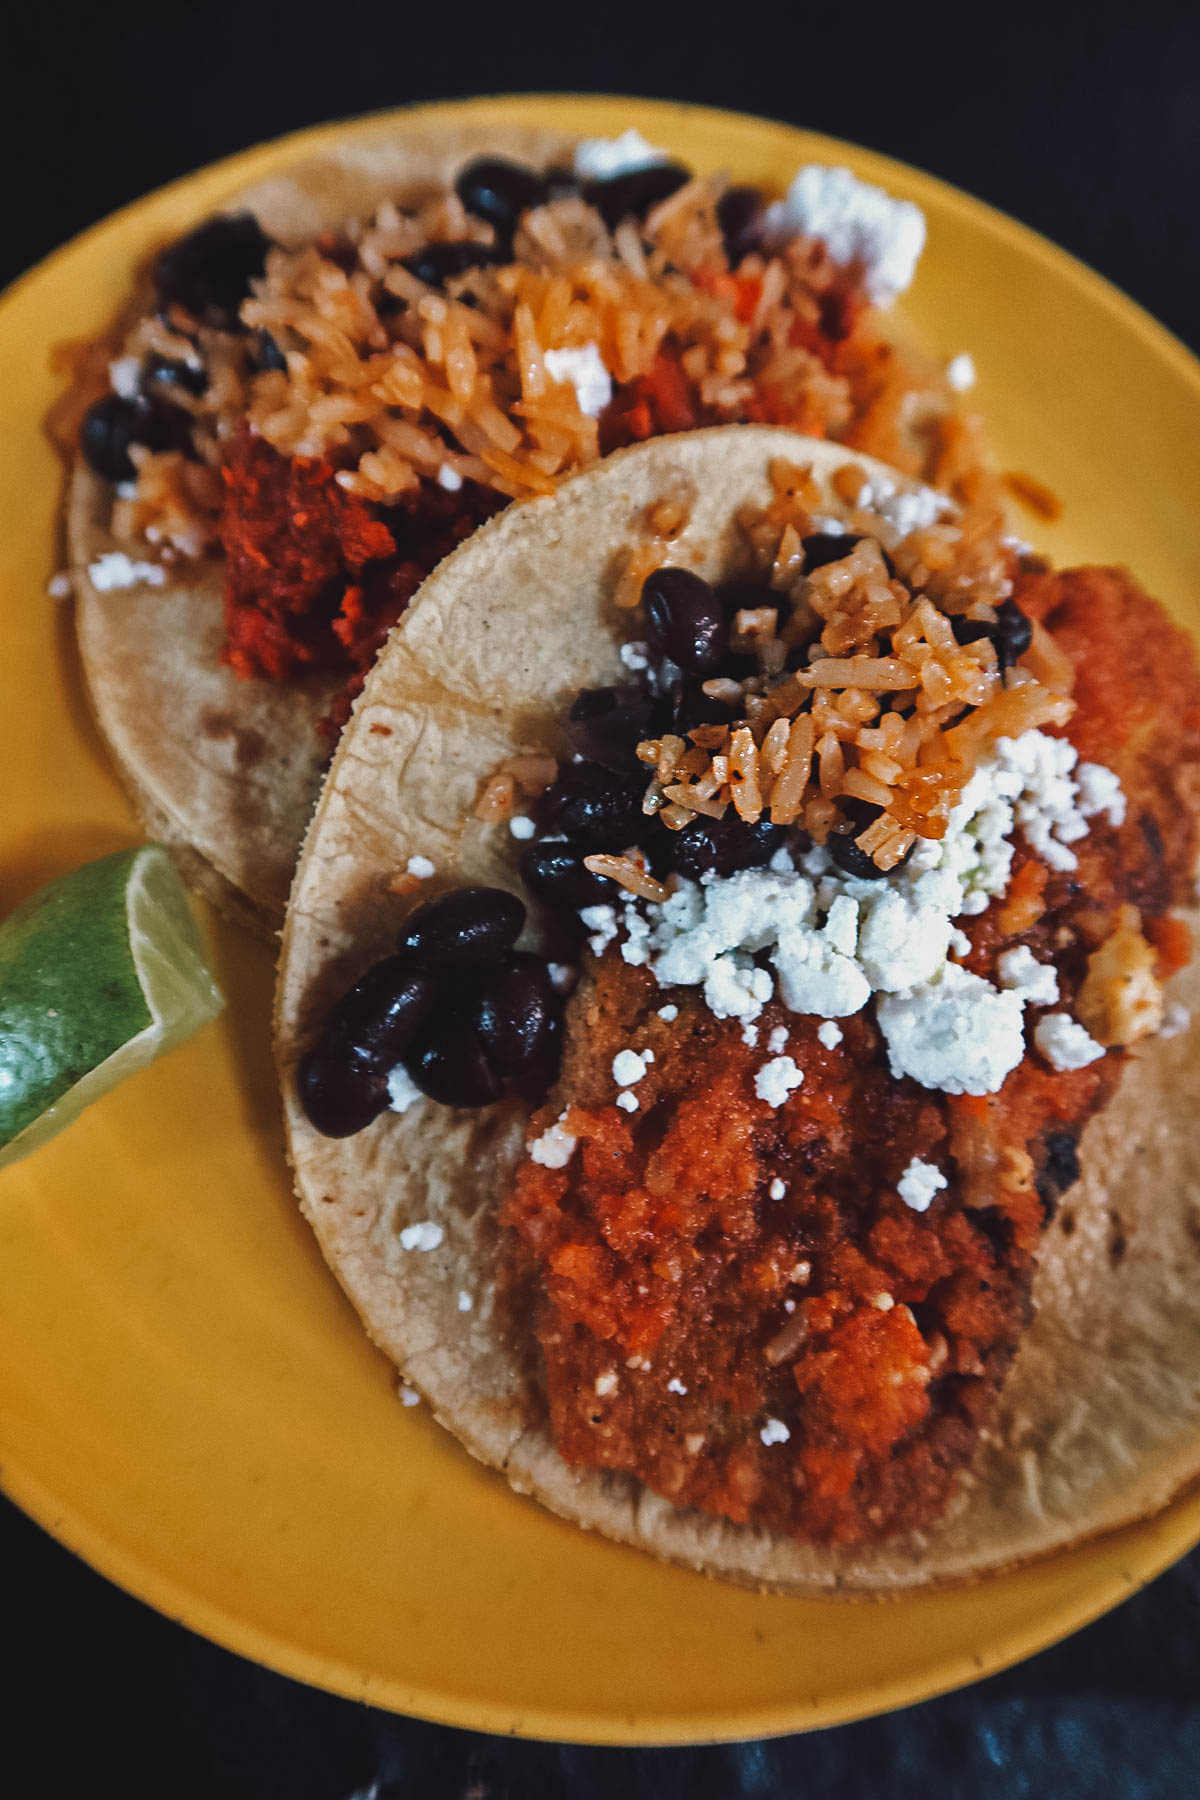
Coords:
606,725
113,424
267,354
684,620
511,1012
593,807
340,1093
452,1068
822,547
555,873
850,859
209,272
636,192
740,212
166,371
470,928
691,706
1011,633
436,263
563,183
722,845
381,1015
500,191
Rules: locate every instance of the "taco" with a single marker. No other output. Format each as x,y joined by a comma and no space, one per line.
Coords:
873,826
319,393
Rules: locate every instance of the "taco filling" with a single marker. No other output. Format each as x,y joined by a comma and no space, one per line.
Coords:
866,874
333,418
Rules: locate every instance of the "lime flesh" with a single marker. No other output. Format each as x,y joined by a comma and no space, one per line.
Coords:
99,973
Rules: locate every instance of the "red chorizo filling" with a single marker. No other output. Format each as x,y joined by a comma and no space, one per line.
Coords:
735,1302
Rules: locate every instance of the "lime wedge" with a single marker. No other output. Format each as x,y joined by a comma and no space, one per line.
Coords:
99,973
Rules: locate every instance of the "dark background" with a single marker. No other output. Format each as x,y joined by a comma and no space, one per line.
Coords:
1084,122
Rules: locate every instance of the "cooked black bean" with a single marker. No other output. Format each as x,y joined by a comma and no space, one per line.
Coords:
722,845
636,192
822,547
555,872
113,424
209,272
512,1010
1011,633
691,706
685,620
452,1068
267,354
500,191
381,1015
470,928
436,263
606,725
166,371
340,1093
740,212
594,807
850,859
563,183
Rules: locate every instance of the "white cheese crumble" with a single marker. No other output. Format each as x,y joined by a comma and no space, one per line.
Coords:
675,1386
857,223
829,1034
555,1148
627,1101
1022,974
465,1302
59,586
777,1079
774,1432
1064,1043
960,372
562,977
1100,792
919,1183
425,1235
832,941
408,1396
449,478
420,866
521,826
635,655
750,1036
605,1384
778,1188
116,570
628,1066
403,1091
125,377
1176,1020
669,1012
777,1042
955,1032
599,159
584,368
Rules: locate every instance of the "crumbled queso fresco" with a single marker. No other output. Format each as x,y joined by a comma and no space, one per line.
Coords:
919,1183
584,368
858,223
599,159
832,941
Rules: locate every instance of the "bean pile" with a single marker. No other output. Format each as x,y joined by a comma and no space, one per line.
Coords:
457,1005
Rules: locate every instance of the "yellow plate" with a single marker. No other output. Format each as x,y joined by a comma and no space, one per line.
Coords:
185,1397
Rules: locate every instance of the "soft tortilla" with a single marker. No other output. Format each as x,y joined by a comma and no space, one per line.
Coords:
1100,1421
226,772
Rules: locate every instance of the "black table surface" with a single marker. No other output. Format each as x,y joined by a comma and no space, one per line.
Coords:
1084,122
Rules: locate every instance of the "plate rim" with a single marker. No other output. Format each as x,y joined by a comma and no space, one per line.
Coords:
1152,1543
